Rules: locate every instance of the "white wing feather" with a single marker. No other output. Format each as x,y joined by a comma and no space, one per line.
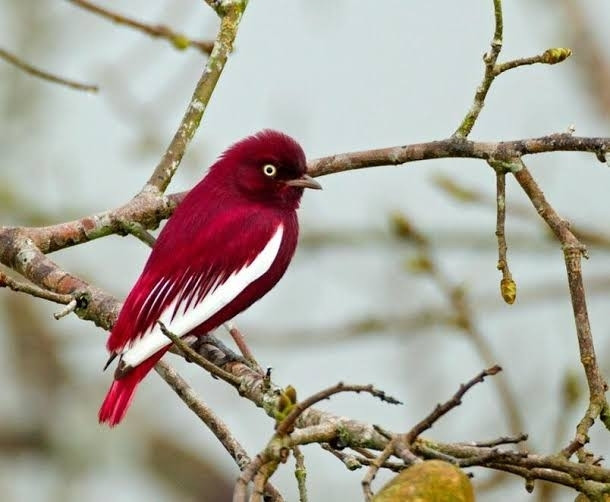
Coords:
219,296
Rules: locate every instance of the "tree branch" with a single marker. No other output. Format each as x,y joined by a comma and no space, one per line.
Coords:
223,45
456,148
573,251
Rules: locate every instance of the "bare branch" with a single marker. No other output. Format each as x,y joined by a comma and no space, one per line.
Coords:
508,288
498,442
573,251
139,232
490,62
240,341
23,287
353,461
550,56
178,40
455,148
71,307
44,75
191,355
286,425
443,409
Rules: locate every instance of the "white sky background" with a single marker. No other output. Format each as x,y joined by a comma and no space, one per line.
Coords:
339,76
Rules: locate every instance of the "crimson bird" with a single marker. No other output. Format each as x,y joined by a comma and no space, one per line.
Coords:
227,244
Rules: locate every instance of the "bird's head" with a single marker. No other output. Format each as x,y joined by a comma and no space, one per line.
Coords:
268,167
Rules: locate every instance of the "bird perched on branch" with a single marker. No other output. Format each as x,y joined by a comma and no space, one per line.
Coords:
226,245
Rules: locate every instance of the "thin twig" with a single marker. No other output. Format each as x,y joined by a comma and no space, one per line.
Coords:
492,455
193,356
286,425
178,40
139,232
374,467
300,473
522,459
240,341
354,462
32,290
447,406
351,461
45,75
508,287
490,62
498,442
68,309
426,452
550,56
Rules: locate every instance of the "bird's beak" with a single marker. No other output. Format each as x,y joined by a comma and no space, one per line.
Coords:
305,181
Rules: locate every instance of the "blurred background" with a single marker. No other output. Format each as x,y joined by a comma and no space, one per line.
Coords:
360,303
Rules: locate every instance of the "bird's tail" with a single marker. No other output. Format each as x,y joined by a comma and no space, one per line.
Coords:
122,390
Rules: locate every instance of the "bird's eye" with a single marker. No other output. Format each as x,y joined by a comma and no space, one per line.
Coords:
269,170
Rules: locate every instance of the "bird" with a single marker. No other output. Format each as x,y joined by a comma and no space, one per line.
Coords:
226,245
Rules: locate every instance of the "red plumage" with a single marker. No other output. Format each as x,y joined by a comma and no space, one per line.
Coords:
226,245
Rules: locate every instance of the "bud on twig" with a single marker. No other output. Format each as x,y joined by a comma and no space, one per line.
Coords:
556,55
508,288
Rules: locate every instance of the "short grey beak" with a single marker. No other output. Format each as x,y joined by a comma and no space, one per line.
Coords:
305,181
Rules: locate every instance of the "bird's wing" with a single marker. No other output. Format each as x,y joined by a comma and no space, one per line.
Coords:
185,289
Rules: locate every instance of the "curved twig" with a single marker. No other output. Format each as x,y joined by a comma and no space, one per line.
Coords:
45,75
